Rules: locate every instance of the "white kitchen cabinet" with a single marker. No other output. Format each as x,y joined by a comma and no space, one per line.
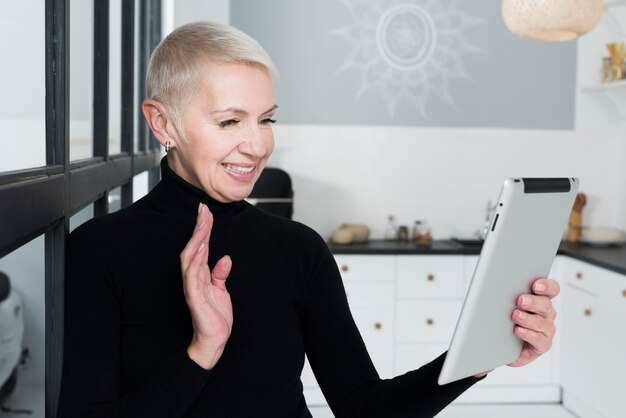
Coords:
593,349
428,301
426,321
610,390
579,310
430,277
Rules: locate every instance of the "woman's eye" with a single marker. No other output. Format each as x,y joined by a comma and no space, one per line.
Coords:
268,121
229,122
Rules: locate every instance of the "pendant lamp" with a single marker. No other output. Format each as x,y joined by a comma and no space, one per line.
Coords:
551,20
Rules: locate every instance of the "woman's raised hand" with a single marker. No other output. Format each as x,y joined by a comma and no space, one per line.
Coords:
206,294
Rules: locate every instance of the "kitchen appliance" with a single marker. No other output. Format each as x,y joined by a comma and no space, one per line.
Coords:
273,192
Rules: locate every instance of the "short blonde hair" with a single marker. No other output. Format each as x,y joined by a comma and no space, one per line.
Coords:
176,62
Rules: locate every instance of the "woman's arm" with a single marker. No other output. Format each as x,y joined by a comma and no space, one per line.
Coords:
344,369
92,376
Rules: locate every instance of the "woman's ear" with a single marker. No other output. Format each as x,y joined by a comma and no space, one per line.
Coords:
159,121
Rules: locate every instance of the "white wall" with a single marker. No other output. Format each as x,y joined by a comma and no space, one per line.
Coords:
444,176
22,83
186,11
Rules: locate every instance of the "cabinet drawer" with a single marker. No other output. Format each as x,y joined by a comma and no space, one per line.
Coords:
367,267
370,295
426,321
430,277
376,328
582,275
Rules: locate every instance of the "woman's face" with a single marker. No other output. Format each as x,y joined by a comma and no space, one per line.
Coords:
228,131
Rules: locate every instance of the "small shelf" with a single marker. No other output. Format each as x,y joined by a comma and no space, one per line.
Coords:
612,95
614,85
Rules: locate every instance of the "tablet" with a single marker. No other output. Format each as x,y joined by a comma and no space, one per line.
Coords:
521,243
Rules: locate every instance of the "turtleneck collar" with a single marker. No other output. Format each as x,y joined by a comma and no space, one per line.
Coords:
174,194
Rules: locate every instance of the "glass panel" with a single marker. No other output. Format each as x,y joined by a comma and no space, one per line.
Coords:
81,217
25,270
115,76
23,85
140,186
81,79
115,199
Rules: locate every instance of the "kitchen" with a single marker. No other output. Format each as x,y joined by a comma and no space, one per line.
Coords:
515,108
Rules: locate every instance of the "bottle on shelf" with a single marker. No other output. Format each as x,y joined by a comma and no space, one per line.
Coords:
391,230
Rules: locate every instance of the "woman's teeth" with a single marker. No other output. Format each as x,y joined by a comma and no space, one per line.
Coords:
237,169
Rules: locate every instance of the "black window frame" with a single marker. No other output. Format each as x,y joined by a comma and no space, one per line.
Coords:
41,200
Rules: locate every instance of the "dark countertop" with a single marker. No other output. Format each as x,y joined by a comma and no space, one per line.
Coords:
397,247
611,257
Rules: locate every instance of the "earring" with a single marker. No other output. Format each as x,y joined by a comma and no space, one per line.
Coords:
167,147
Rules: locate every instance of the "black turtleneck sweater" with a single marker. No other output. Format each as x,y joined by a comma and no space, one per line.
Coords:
127,326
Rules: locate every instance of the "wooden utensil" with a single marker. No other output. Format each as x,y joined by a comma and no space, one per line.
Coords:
575,218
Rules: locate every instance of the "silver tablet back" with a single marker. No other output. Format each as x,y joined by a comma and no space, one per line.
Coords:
522,241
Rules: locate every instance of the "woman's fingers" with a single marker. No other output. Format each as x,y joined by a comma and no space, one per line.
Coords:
539,342
201,234
539,305
193,280
546,287
221,271
534,322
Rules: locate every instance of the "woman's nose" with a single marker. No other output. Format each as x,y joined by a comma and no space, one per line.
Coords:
254,143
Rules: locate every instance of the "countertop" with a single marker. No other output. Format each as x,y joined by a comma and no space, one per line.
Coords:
611,257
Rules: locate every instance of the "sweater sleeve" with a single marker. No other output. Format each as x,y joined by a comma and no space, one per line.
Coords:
91,381
344,369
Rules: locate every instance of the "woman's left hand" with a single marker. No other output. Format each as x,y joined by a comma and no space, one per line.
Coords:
534,319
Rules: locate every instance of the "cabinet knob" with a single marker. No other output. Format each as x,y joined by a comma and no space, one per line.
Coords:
345,268
624,293
378,325
430,277
588,312
430,321
579,275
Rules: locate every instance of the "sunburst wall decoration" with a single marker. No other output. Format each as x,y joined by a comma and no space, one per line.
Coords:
407,50
436,63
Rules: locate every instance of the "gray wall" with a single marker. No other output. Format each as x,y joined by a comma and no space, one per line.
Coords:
479,74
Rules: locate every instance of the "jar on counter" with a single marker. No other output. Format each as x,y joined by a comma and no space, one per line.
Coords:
422,234
403,233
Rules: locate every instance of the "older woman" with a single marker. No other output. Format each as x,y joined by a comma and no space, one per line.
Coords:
193,303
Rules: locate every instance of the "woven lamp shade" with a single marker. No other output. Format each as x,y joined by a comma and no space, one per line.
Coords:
551,20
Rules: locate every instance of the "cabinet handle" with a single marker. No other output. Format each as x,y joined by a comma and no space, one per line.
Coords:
579,275
430,277
378,325
345,268
588,312
430,321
